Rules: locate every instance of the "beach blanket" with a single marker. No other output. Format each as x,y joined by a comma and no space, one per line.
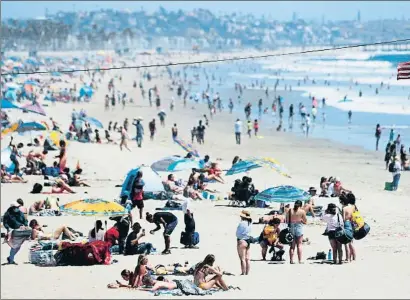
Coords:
79,254
185,287
45,213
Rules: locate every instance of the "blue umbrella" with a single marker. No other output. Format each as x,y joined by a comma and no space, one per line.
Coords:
30,126
174,163
92,121
6,104
242,166
283,194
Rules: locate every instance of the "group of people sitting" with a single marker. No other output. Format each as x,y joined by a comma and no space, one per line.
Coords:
331,187
206,275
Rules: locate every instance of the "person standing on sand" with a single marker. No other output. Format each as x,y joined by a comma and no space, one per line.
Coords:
124,138
139,132
348,202
201,133
256,127
152,129
138,193
332,218
378,135
244,239
230,105
291,113
391,135
307,124
249,125
238,131
296,217
396,173
174,132
349,115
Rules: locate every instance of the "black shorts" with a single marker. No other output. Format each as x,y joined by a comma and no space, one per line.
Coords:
138,203
169,228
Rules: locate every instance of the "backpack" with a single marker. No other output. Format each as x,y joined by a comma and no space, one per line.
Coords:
357,220
392,169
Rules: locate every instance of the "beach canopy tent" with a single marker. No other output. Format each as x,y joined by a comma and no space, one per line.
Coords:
86,91
403,71
6,104
153,182
5,159
174,164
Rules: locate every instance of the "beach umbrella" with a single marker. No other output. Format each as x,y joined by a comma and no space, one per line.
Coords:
272,164
56,136
6,104
282,194
174,163
92,121
186,146
34,108
94,207
12,128
242,166
10,95
30,126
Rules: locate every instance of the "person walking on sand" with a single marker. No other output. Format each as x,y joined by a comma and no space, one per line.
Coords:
378,135
256,127
244,240
238,131
152,129
249,127
308,121
396,173
296,217
174,131
169,221
291,113
230,105
124,138
349,115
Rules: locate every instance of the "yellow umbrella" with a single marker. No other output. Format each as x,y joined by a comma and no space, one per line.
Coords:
94,207
10,129
273,164
56,136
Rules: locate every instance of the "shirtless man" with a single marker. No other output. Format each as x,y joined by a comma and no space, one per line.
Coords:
308,206
297,217
124,138
37,207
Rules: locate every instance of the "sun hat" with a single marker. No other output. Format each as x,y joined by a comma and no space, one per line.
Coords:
245,214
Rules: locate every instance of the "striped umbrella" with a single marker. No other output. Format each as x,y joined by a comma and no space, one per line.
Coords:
174,163
94,207
273,164
242,167
187,147
30,126
34,108
283,194
403,70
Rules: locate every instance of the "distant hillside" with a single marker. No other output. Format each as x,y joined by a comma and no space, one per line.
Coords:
111,29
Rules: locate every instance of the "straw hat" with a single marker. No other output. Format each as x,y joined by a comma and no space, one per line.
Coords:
245,214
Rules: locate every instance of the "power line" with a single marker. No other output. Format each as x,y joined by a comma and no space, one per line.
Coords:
213,60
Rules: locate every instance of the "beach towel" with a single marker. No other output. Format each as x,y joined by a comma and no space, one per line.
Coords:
78,254
185,287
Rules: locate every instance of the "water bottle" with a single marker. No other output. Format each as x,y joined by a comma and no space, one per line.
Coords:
329,255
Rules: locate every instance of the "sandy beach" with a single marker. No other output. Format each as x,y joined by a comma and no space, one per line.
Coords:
379,272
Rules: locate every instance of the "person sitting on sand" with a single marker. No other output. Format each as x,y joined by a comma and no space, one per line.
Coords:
143,273
190,192
214,173
205,268
270,236
338,189
37,207
76,181
38,233
171,185
7,177
133,245
97,232
60,185
200,184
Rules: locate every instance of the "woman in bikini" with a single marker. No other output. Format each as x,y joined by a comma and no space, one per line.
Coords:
9,178
348,208
205,268
243,238
38,233
296,217
62,156
214,173
143,273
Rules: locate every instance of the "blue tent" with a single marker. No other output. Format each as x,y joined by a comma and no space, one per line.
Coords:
86,91
153,182
92,121
10,95
6,104
5,159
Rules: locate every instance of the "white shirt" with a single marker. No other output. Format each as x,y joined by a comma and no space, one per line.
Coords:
98,237
307,121
332,221
397,166
238,127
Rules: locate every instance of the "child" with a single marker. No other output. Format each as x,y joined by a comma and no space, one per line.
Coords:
256,127
194,134
97,137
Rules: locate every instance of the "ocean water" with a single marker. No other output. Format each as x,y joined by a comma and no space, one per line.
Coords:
327,76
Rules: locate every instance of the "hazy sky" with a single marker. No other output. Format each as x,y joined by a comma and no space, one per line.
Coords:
281,10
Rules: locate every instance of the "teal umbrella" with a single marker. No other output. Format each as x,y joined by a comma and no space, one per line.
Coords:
283,194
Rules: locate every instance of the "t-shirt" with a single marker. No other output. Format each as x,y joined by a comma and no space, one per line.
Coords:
238,127
243,230
201,129
166,216
130,249
332,221
112,235
138,190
